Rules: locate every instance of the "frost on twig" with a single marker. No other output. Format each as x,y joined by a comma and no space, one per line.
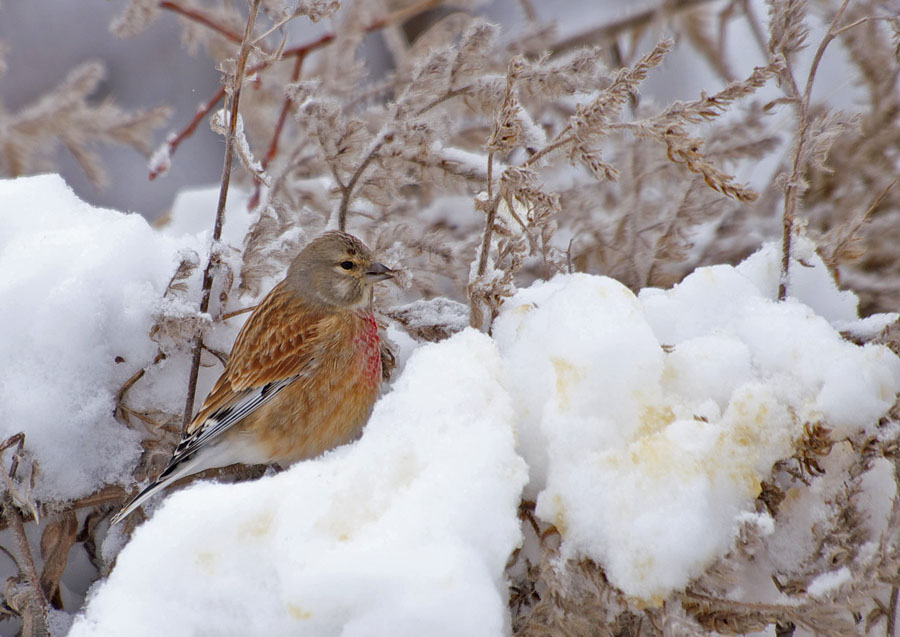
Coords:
219,124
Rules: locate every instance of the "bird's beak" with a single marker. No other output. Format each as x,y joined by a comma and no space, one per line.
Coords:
378,272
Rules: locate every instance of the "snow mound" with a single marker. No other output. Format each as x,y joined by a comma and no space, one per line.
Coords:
393,535
647,458
642,426
78,289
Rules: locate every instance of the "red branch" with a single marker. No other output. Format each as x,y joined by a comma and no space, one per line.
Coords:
196,16
297,52
282,117
188,130
205,109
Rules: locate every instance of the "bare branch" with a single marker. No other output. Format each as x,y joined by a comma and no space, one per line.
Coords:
206,289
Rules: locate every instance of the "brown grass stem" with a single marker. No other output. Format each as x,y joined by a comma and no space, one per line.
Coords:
792,191
15,519
891,629
244,310
636,21
488,235
347,189
206,289
756,30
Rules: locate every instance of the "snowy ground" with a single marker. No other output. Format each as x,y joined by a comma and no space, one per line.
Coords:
643,426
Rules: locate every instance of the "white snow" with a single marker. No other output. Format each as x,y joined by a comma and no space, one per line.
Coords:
219,124
642,425
393,535
647,460
829,582
78,286
466,162
79,289
160,160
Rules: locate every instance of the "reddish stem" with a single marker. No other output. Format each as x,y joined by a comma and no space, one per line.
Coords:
282,117
196,16
285,107
205,109
188,130
296,51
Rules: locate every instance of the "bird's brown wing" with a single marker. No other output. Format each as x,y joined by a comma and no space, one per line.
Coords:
282,341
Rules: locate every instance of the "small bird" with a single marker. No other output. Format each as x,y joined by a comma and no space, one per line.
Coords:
303,374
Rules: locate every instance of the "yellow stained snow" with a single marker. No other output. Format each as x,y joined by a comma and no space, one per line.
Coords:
207,561
567,376
258,527
298,612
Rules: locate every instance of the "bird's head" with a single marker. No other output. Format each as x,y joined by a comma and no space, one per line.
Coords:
336,269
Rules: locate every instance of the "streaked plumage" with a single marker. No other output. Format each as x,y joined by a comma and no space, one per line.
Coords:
303,373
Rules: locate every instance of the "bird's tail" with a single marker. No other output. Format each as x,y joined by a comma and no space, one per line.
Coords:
174,471
138,500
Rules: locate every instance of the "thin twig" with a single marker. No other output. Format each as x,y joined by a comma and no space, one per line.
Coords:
792,613
202,111
229,315
222,358
200,18
14,517
673,219
892,613
845,238
275,27
11,556
488,235
220,209
725,15
791,193
121,409
296,51
129,384
820,51
870,18
490,174
756,30
282,117
128,412
347,190
494,202
628,24
561,140
475,313
106,495
17,440
402,15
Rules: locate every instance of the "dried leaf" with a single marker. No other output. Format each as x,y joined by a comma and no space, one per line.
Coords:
56,541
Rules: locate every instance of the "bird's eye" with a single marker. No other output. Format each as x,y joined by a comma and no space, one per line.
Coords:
347,265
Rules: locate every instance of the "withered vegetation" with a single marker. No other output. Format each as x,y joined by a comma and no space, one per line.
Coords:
484,159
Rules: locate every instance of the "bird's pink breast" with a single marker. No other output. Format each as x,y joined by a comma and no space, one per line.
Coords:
369,347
